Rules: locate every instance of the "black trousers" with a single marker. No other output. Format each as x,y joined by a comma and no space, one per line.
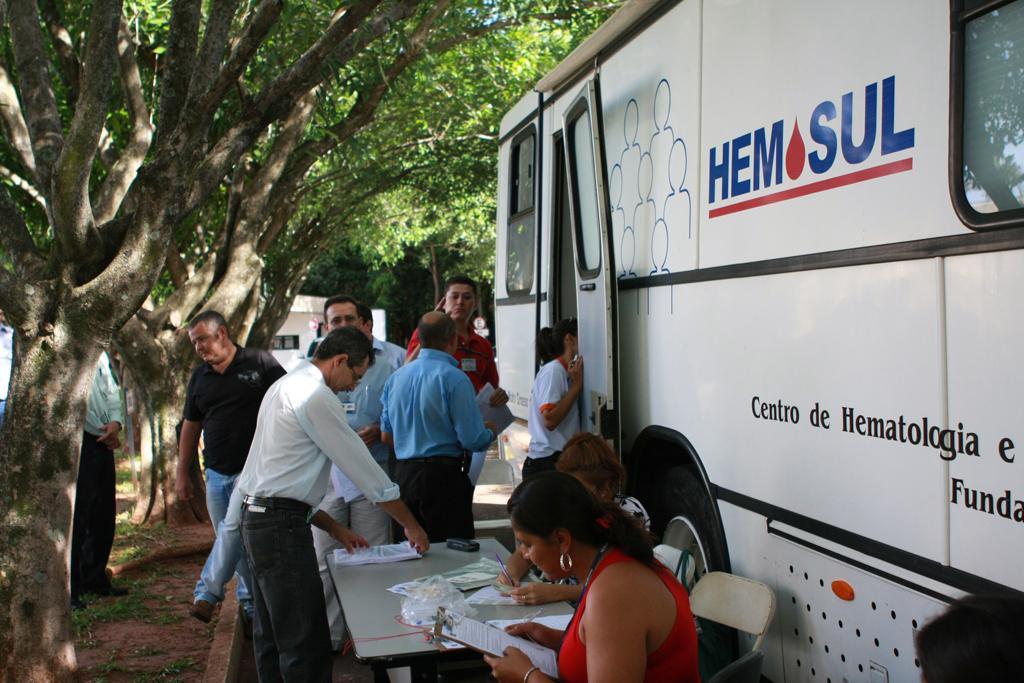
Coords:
534,466
439,495
92,535
291,638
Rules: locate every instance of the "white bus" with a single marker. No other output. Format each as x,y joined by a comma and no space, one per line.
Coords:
791,233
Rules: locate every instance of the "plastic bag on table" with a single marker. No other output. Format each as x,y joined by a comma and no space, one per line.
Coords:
420,605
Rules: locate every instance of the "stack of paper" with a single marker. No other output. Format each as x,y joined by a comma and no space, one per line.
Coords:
473,575
490,640
378,554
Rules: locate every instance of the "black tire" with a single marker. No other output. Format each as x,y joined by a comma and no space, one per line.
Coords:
677,492
682,511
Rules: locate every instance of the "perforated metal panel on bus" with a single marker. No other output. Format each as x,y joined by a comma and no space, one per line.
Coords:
829,640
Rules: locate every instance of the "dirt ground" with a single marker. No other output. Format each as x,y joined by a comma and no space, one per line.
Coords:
148,634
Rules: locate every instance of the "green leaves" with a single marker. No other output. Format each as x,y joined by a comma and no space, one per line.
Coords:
151,20
429,161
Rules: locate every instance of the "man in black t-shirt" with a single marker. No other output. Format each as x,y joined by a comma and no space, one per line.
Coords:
222,401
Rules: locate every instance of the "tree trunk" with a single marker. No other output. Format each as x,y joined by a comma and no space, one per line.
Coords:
39,448
435,274
159,367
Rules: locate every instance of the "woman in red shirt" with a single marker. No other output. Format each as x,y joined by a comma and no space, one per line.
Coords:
633,622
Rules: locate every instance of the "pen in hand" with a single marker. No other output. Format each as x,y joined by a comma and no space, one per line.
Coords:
532,615
504,570
526,620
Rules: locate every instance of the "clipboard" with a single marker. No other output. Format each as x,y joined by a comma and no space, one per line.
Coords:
491,640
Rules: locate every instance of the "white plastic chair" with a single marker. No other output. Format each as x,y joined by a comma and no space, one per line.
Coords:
734,601
746,669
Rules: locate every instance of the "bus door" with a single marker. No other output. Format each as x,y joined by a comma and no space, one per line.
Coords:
595,286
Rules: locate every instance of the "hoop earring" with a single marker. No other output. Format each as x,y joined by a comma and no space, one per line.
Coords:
565,562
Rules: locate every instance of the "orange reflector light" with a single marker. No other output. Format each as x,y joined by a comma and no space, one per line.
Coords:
843,590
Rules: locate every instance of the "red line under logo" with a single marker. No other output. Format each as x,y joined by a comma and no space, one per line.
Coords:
819,186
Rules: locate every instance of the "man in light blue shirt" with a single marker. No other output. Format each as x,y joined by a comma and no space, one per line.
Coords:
95,501
430,415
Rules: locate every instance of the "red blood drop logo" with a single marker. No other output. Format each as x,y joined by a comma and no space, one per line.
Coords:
796,154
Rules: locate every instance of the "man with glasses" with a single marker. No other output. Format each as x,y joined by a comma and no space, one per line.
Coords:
300,431
344,501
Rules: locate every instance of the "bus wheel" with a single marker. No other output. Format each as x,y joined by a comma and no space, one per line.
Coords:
680,534
685,511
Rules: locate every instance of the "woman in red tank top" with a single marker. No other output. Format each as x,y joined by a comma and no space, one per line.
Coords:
633,622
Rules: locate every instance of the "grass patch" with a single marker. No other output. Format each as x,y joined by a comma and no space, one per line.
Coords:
169,673
123,474
111,665
179,665
163,618
132,541
124,608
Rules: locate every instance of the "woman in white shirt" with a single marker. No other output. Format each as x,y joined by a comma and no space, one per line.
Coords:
554,413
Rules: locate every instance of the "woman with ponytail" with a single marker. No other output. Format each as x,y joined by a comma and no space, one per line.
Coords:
554,414
590,459
633,622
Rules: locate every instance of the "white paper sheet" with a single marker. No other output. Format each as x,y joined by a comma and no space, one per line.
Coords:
377,554
491,640
555,621
501,416
489,595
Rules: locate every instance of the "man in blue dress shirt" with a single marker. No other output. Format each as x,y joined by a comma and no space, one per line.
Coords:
431,417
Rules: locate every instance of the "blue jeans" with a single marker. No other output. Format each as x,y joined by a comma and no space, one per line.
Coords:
3,409
291,639
226,558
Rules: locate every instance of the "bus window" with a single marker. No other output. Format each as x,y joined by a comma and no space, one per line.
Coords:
522,174
584,193
993,109
563,289
520,236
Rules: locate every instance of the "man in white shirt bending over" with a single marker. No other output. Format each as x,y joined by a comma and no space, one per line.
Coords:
300,431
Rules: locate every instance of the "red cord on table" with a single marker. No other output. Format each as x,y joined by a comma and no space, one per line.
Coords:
419,631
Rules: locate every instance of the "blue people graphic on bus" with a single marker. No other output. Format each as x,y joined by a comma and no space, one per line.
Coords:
629,158
647,187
